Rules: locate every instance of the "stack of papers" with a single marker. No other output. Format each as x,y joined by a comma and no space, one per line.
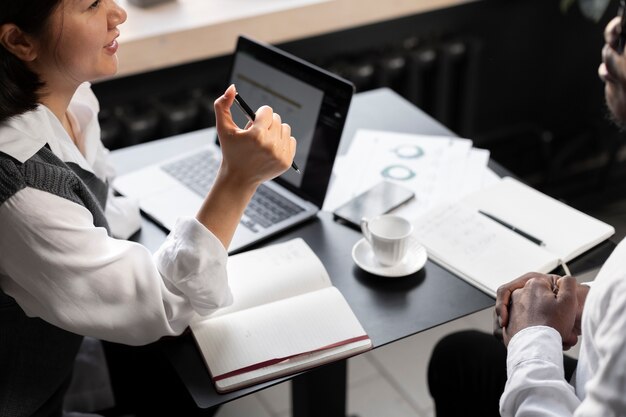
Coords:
439,169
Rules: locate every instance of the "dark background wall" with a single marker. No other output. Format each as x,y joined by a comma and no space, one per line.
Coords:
519,77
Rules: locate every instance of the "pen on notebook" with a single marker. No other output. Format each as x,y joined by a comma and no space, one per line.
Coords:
513,228
250,115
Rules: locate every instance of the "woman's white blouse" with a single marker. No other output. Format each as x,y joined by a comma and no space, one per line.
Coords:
58,266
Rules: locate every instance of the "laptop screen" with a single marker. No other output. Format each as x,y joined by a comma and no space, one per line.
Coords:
311,100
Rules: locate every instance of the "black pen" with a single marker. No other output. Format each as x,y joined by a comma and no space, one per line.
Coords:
513,228
250,115
621,40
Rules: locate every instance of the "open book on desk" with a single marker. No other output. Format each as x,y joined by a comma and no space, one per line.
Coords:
464,239
286,317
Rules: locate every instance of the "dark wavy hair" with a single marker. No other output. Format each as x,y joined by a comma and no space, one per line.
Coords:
19,86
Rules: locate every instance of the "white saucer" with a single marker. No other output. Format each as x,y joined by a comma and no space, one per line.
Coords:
413,261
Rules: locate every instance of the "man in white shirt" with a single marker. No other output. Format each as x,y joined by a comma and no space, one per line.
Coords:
538,316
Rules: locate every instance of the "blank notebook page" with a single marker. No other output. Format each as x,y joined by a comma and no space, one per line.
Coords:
277,330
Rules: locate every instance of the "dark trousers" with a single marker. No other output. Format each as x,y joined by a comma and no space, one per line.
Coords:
146,384
467,373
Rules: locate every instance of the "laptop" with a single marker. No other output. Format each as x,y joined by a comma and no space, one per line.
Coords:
312,101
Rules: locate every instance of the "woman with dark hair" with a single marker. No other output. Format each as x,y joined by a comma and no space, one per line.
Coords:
63,274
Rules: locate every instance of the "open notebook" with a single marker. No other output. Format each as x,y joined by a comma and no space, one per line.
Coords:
286,317
313,101
488,254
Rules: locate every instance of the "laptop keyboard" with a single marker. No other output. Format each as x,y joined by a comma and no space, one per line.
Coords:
197,171
266,208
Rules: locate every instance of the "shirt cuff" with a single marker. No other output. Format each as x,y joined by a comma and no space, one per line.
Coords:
194,260
535,343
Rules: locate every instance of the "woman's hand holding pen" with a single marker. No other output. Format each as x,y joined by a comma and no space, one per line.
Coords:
250,156
261,151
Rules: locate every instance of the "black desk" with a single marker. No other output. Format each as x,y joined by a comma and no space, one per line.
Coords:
389,310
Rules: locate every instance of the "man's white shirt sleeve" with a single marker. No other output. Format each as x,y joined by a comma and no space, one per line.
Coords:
536,383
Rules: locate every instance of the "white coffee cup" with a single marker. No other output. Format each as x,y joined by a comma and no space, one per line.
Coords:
388,235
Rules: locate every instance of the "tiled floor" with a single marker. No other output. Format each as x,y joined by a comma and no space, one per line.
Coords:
391,381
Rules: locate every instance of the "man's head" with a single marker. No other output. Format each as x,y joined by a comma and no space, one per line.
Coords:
613,72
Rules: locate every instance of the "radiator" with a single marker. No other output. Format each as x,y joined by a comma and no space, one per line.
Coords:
439,78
